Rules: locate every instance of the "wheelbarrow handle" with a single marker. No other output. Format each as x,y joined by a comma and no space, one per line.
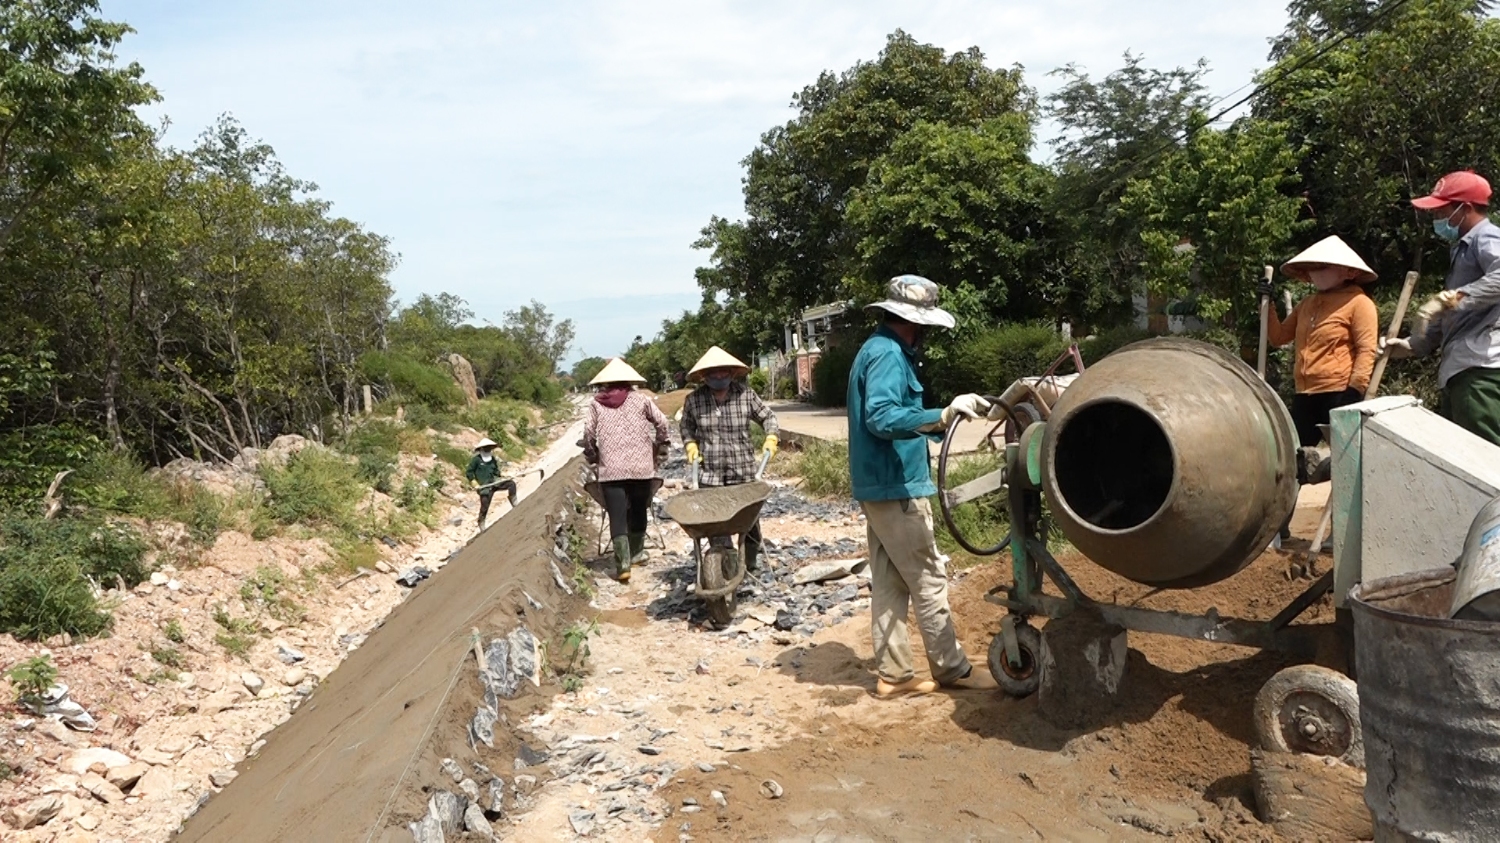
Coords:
692,475
765,458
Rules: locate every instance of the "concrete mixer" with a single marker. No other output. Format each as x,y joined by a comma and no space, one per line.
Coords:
1172,464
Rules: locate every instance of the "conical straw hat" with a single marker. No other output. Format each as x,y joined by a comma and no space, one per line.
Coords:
617,371
486,442
717,358
1330,251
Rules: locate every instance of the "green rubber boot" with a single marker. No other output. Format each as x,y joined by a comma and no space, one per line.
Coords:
622,558
638,554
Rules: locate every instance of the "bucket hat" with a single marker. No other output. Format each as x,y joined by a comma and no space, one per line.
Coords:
617,371
1330,251
914,299
717,358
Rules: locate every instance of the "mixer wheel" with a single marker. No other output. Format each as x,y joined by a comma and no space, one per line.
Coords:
1312,710
1018,680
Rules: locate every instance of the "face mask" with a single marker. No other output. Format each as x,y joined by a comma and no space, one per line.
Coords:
1445,228
1327,278
487,457
718,384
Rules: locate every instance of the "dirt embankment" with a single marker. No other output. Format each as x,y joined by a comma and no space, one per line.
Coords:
352,762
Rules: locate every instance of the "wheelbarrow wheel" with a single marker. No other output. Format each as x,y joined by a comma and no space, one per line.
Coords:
715,576
1311,710
1018,680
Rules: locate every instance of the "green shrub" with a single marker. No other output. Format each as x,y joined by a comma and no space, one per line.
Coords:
32,677
451,454
418,498
412,381
421,417
823,467
1108,341
994,359
350,554
46,569
316,487
174,632
759,382
115,482
831,374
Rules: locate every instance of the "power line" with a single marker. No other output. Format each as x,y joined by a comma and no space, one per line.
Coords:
1264,87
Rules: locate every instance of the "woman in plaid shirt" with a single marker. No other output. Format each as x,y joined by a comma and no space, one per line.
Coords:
716,429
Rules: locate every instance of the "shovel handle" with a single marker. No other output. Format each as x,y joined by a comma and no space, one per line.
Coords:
1265,325
765,458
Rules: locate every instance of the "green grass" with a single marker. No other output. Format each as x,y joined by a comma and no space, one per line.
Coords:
983,522
238,635
169,657
48,568
351,554
174,632
266,589
823,467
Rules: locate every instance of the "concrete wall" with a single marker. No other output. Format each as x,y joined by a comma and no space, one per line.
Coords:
1407,484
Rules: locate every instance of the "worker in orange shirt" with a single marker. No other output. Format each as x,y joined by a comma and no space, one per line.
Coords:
1336,331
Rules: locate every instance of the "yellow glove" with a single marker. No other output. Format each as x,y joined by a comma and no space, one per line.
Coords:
770,445
692,451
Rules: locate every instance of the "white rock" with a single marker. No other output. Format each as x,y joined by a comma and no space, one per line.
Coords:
88,822
476,823
101,789
156,782
158,578
252,683
293,677
126,776
174,585
221,778
79,762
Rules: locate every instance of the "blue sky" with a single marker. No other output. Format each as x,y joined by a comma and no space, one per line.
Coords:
570,152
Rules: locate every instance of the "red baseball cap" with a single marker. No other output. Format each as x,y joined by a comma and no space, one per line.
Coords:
1462,186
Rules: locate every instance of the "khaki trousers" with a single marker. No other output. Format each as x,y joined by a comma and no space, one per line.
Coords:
906,569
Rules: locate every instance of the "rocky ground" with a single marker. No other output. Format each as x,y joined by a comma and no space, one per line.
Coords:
170,735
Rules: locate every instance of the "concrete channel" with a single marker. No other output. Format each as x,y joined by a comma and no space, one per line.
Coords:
353,762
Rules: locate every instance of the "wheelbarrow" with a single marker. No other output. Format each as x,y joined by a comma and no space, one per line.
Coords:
716,515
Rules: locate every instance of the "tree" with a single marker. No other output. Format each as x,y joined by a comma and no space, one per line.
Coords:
1112,130
585,370
795,248
958,204
1211,214
1384,114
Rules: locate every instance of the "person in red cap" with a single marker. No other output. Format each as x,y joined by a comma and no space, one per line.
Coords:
1463,321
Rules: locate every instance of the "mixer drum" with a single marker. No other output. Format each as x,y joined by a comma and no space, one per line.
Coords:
1170,463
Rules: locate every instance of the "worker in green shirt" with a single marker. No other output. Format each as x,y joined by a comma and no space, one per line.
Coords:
483,474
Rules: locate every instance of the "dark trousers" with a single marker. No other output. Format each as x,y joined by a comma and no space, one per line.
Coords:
484,497
628,503
1471,400
1310,409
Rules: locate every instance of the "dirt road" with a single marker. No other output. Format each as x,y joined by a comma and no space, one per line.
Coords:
675,713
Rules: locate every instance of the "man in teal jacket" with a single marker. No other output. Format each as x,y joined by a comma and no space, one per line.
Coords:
888,464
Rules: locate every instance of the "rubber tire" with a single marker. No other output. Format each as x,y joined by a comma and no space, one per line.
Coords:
1333,688
720,609
1029,641
1027,411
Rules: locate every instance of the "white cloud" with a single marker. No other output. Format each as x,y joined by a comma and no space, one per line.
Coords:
572,151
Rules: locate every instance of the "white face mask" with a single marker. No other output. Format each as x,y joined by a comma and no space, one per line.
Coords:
487,456
1327,278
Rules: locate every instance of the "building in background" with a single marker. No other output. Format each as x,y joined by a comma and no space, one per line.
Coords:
806,339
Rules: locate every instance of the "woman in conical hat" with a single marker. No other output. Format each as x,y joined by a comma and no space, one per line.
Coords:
1335,329
716,431
622,437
